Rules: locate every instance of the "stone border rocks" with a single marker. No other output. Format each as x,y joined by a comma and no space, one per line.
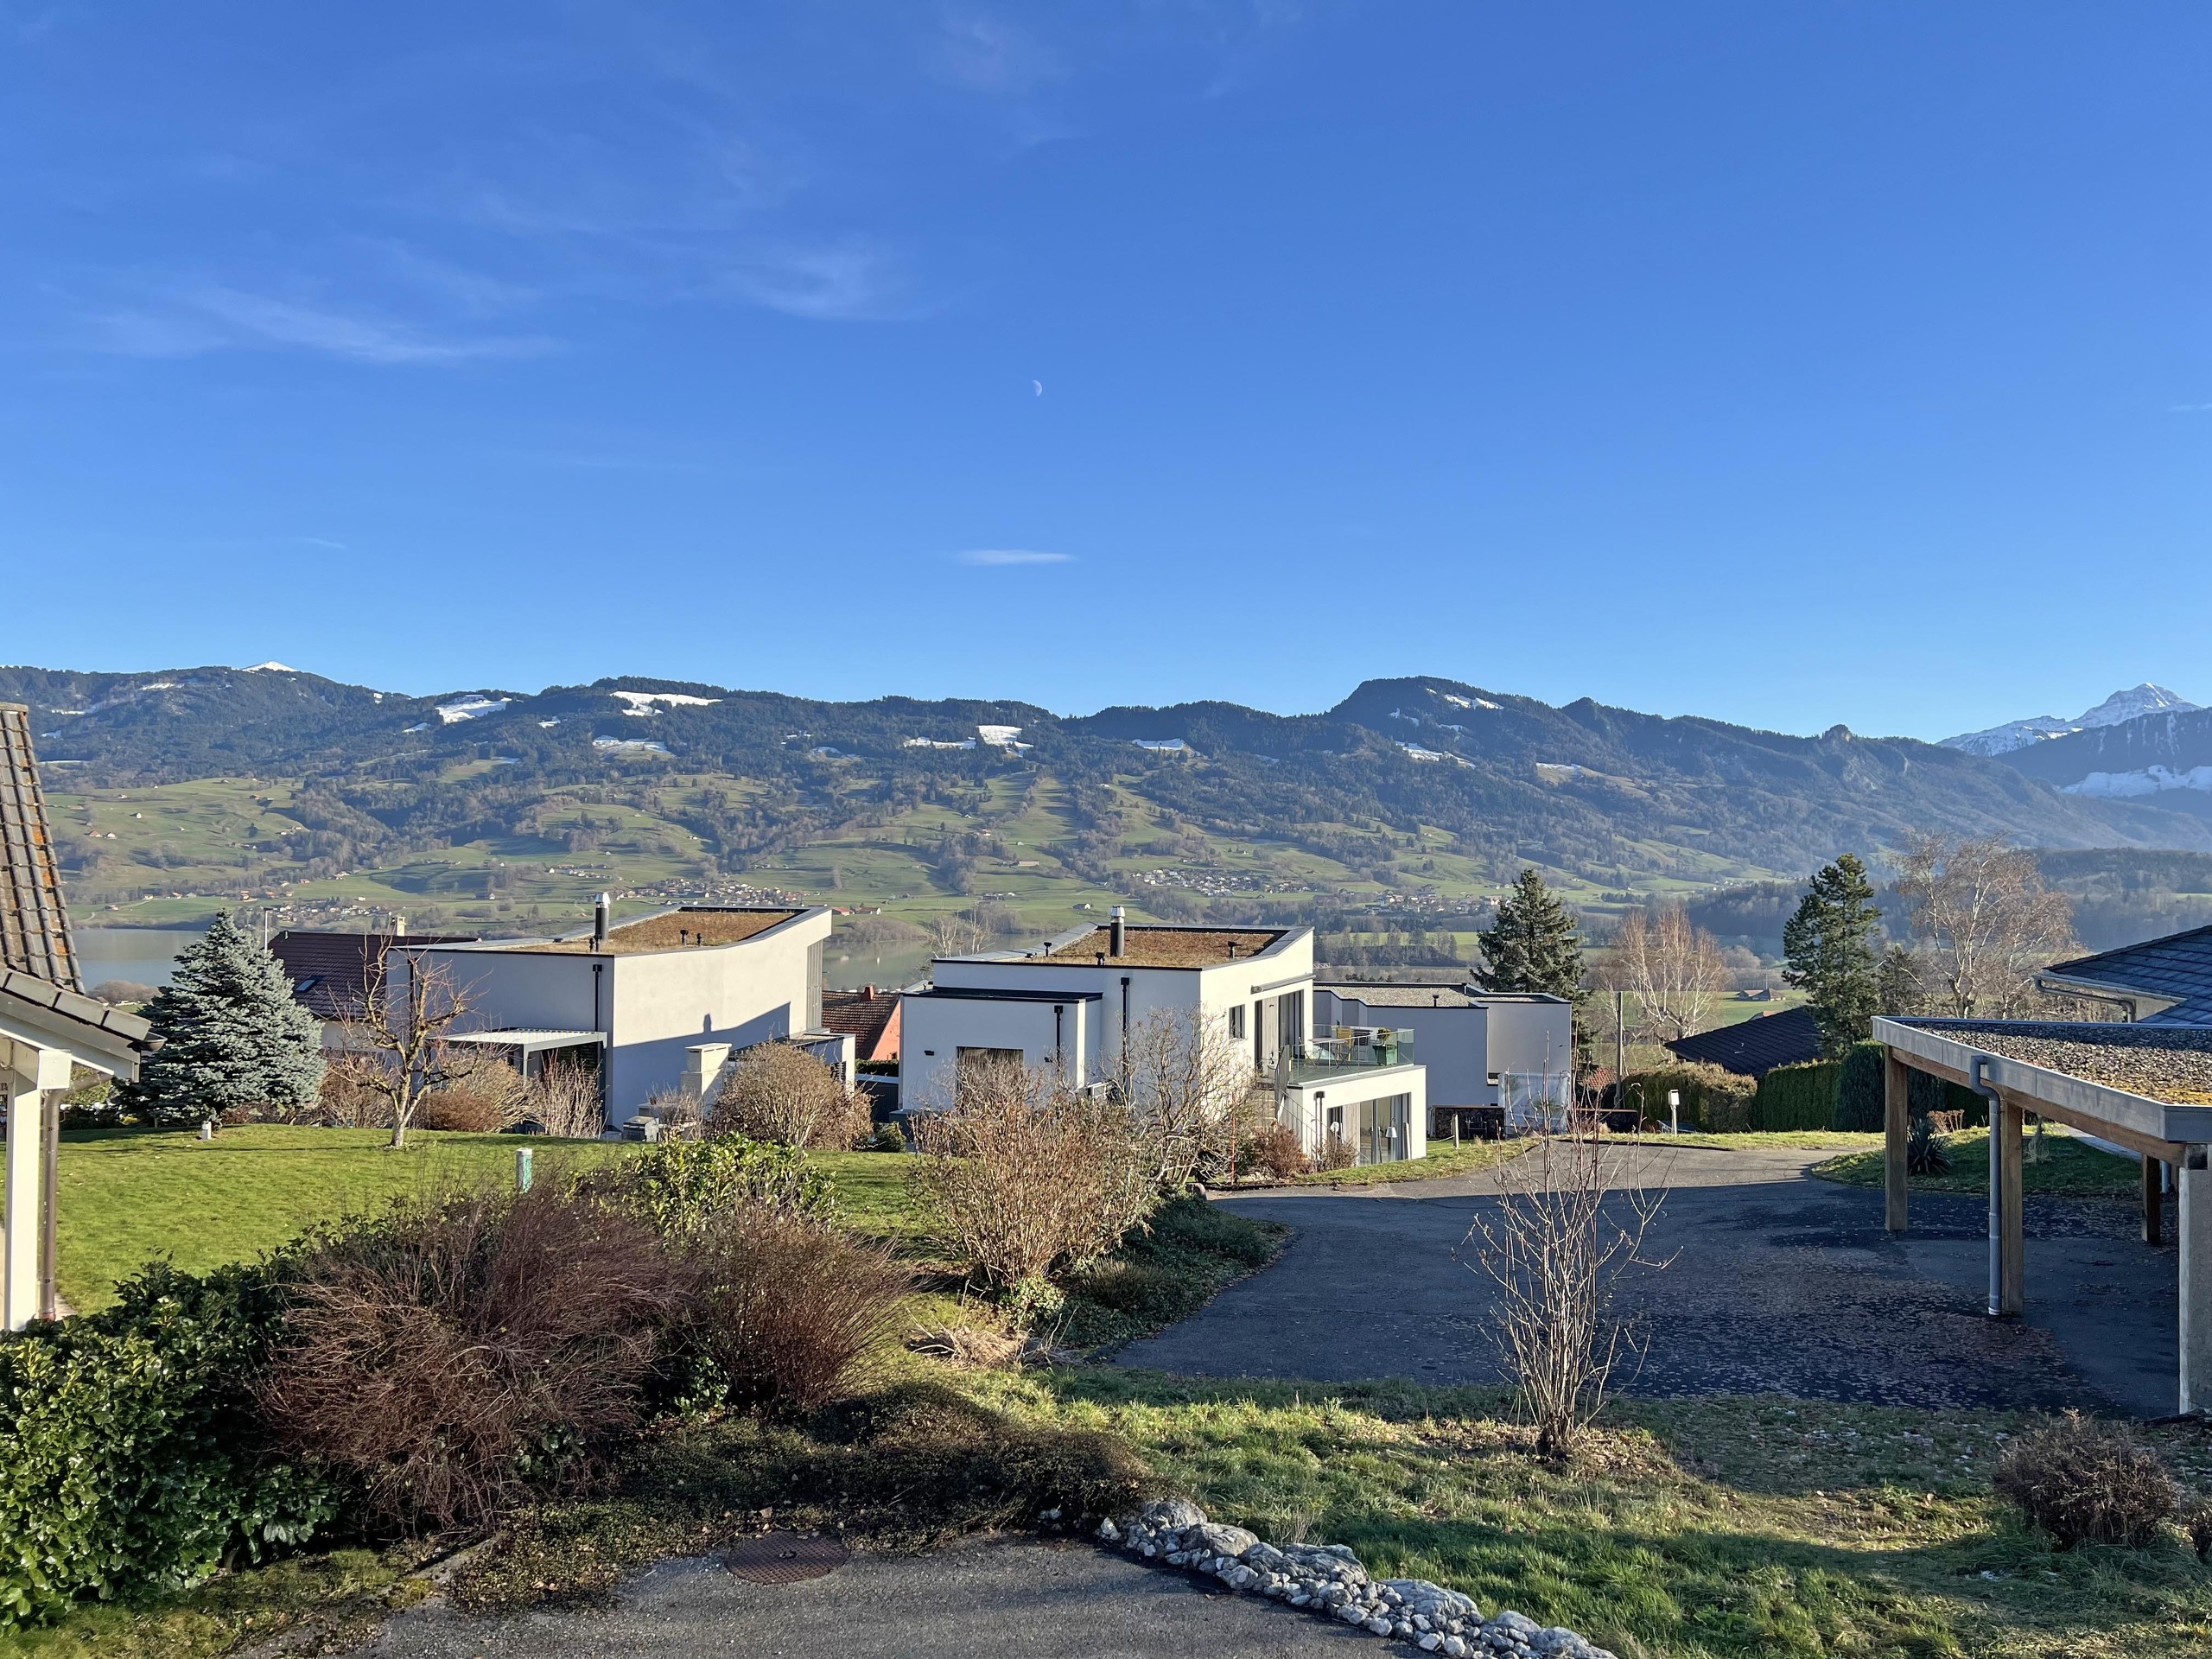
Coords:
1328,1580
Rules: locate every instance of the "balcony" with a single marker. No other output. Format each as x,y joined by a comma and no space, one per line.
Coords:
1349,1050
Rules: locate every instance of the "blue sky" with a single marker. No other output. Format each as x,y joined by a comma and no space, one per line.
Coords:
1789,364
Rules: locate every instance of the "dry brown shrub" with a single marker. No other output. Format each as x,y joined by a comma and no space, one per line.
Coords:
779,1093
348,1099
1030,1176
790,1310
1274,1152
2087,1482
1336,1153
563,1100
482,1094
453,1352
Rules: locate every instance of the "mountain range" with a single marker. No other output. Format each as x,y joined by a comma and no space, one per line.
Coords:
2117,709
1610,793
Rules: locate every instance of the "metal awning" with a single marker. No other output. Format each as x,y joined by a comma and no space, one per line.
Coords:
530,1040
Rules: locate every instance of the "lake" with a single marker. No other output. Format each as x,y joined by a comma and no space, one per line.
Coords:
142,956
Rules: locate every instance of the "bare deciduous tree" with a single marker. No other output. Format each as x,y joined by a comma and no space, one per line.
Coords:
564,1099
1182,1077
1672,967
959,932
1572,1216
396,1037
1985,923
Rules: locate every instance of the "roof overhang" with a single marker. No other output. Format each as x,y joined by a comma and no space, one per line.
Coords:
2156,1128
530,1040
2140,1002
36,1014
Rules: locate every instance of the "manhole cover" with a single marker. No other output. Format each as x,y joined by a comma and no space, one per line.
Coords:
785,1558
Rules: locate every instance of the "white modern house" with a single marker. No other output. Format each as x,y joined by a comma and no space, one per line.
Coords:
1477,1047
1068,1005
657,1004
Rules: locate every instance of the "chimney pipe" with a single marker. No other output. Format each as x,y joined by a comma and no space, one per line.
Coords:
1118,932
598,924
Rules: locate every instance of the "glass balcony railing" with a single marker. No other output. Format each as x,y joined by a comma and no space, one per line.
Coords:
1322,1058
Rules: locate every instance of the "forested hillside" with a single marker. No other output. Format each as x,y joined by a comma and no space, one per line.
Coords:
1410,800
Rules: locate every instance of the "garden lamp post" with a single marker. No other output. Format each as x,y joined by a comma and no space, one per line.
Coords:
1673,1111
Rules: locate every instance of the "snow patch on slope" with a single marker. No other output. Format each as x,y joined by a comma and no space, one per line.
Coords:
2150,780
475,706
641,702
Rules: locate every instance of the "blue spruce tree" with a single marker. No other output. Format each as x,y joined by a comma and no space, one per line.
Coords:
232,1036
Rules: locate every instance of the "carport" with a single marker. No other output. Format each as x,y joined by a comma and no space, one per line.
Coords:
2146,1088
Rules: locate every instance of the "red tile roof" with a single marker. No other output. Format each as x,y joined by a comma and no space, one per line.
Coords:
871,1016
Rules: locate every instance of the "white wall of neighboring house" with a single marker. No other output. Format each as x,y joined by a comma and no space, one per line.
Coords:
1047,1030
1259,984
1467,1041
654,1005
1349,1097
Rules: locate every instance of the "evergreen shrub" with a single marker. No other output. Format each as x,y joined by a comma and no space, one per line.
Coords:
130,1454
1797,1096
683,1187
1860,1104
1715,1101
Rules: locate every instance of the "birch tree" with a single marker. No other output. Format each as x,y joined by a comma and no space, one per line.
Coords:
1986,922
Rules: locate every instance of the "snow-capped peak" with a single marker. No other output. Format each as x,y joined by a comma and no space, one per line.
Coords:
273,666
2122,706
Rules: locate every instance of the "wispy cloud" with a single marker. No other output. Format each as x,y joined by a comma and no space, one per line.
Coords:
851,281
211,317
2190,409
1012,556
984,54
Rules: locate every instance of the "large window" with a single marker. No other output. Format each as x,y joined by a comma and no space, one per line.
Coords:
1384,1128
969,1063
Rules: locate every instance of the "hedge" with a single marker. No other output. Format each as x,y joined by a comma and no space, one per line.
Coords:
1797,1096
1714,1101
128,1456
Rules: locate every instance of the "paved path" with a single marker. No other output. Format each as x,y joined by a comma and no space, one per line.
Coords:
988,1600
1780,1282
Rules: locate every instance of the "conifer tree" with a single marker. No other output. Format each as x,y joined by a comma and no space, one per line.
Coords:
1534,945
1828,948
231,1035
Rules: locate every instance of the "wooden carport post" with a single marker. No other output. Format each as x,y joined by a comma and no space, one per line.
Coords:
1896,1125
2193,1226
2006,1149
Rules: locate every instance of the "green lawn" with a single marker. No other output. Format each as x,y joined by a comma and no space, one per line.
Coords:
1692,1528
131,1195
2063,1165
1444,1158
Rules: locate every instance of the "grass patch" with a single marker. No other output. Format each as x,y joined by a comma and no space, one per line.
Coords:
1803,1140
2068,1166
1155,1278
1444,1158
327,1603
1694,1528
127,1196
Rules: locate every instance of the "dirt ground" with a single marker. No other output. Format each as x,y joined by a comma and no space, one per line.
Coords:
1778,1281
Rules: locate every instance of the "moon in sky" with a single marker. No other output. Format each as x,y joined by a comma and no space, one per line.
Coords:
1039,385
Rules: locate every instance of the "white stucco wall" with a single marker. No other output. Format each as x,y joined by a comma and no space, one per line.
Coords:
1307,1106
934,1029
1530,1036
1285,969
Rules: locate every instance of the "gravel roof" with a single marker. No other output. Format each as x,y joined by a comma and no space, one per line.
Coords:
2168,1063
1170,947
674,930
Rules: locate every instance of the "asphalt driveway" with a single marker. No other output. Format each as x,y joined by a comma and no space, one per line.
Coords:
1779,1282
990,1599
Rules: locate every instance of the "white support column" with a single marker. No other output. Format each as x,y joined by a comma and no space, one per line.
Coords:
19,1280
2195,1231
